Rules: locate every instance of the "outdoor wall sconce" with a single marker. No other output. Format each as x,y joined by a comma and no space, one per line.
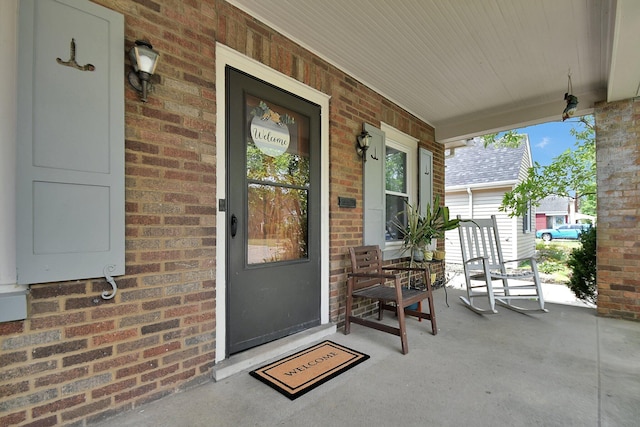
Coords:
572,101
364,139
143,61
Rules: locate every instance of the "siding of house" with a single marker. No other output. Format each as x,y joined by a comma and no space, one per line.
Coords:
548,220
458,203
485,204
79,359
487,186
525,241
550,209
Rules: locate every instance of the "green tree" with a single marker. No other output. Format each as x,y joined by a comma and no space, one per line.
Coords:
509,139
571,174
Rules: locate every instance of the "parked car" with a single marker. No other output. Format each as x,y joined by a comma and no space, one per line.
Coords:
567,231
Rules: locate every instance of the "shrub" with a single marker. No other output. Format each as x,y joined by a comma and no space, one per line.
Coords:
552,260
582,263
550,267
551,252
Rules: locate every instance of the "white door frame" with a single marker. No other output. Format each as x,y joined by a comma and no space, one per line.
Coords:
227,56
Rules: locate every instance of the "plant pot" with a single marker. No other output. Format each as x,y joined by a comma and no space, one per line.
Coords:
428,255
439,255
418,255
413,306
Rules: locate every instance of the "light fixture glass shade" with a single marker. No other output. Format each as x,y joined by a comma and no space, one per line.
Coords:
143,61
364,139
143,57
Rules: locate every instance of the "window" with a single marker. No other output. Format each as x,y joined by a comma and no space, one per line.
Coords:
390,181
400,181
558,220
396,192
526,220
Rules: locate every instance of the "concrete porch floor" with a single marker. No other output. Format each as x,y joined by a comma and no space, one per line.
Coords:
563,368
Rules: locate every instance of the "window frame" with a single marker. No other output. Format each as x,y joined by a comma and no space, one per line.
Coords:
409,145
526,220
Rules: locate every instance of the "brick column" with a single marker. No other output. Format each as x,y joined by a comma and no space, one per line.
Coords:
618,178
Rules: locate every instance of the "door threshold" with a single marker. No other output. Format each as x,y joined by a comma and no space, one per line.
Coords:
261,354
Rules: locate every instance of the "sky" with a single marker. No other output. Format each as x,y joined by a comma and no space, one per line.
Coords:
549,140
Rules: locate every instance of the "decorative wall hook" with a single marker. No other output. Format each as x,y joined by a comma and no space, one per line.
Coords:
72,60
374,156
106,270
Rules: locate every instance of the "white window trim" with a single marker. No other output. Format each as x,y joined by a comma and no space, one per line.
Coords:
526,220
401,141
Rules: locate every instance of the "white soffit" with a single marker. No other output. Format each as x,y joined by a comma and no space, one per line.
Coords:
469,67
624,77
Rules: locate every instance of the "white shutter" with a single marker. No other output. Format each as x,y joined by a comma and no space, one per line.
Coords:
374,189
425,178
70,191
425,183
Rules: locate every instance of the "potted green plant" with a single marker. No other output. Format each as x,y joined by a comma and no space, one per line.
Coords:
420,230
437,221
414,234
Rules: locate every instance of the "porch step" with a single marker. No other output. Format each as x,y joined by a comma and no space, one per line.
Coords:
261,354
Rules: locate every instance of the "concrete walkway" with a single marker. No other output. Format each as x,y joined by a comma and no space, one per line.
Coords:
563,368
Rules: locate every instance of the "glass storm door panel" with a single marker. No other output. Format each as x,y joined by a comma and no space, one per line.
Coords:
273,221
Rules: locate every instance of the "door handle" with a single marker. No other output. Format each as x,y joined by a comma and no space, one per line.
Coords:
234,225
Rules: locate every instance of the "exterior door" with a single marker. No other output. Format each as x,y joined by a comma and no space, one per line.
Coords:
273,212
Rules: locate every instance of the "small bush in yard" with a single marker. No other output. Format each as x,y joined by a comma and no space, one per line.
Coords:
552,260
551,252
582,263
550,267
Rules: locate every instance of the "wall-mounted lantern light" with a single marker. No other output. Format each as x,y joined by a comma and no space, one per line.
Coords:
143,61
364,139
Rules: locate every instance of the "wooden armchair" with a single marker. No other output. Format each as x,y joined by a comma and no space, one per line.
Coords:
372,281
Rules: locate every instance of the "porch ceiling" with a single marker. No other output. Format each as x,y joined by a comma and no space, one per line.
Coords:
469,67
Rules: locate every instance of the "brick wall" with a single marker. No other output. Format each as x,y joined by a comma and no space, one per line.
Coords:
79,358
618,240
353,105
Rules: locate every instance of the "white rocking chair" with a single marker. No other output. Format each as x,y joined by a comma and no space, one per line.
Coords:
483,265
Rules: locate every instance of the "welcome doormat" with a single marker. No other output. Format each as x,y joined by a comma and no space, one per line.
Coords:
305,370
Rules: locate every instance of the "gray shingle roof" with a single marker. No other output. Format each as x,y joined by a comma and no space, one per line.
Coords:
553,204
475,164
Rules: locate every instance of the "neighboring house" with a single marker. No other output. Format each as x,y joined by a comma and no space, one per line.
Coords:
552,212
476,179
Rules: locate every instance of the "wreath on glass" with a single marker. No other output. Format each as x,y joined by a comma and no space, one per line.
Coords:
265,113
